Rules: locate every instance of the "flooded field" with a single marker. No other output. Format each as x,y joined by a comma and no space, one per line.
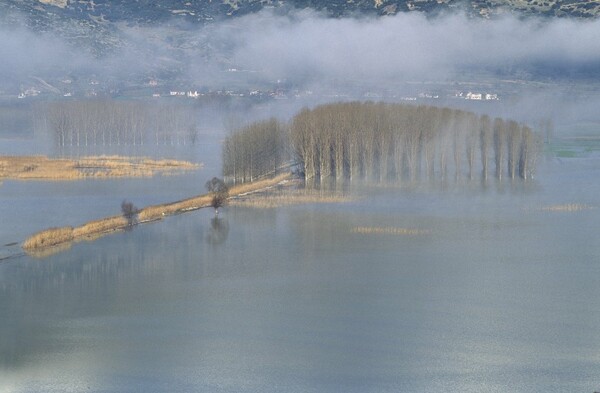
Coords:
474,288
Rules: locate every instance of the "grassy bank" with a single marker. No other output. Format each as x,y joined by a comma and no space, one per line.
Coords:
44,168
48,238
55,237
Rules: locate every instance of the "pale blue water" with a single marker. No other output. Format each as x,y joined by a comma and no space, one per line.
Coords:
500,296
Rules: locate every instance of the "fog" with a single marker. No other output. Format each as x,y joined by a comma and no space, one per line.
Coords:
529,60
406,46
463,283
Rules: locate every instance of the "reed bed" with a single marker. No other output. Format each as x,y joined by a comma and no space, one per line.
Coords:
390,231
246,188
54,237
99,226
49,251
37,167
156,212
568,207
44,168
94,229
48,238
291,198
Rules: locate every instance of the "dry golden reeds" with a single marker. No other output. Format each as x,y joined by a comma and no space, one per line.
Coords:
49,237
246,188
94,229
291,198
49,251
390,231
157,212
568,207
44,168
99,226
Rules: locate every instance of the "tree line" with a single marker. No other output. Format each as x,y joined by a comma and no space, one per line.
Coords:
105,122
254,151
385,142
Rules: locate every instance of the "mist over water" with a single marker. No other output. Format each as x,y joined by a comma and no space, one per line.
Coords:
498,295
463,286
395,56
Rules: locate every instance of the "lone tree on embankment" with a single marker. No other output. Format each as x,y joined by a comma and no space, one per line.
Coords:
130,212
219,193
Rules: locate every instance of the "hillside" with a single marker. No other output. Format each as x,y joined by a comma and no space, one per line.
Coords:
100,19
100,12
151,48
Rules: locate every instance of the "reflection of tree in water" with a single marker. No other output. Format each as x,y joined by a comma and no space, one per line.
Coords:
219,231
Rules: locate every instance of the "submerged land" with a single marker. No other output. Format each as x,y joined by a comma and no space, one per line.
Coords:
345,142
46,168
56,239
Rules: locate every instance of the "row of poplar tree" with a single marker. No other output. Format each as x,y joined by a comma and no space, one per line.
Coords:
106,122
255,151
385,143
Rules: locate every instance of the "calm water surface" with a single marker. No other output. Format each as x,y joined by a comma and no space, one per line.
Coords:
499,296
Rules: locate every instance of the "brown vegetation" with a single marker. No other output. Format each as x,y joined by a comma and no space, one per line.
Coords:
44,168
393,142
568,207
49,251
383,143
100,226
49,237
254,151
218,191
390,231
94,229
247,188
156,212
291,197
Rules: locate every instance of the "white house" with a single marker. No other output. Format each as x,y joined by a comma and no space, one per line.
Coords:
474,96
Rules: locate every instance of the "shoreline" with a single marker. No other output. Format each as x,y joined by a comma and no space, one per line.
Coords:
52,240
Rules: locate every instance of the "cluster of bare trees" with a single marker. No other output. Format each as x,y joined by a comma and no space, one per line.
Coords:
112,122
394,142
254,151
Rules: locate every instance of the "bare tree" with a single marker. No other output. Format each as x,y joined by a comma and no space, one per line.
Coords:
499,145
376,141
130,213
485,141
219,193
514,142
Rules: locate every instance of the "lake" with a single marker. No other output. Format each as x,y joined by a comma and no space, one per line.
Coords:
498,293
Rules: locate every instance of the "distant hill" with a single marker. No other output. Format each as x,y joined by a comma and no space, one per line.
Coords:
97,24
145,11
162,39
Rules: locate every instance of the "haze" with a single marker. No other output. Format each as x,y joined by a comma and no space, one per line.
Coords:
311,48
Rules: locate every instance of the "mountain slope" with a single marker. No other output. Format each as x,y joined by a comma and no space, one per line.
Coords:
107,46
96,25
